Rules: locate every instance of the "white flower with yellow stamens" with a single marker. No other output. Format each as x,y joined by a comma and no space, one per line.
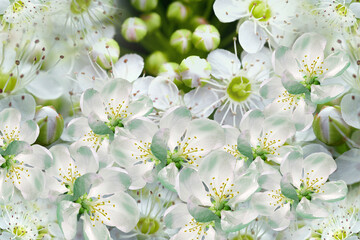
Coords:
306,68
266,135
102,204
237,88
218,189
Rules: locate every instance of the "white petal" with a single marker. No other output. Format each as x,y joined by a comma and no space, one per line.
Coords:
309,47
94,230
163,93
224,64
199,100
350,109
332,191
348,167
355,8
67,217
128,67
324,93
251,37
228,10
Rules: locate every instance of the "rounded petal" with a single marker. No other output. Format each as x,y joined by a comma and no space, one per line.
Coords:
223,64
251,37
128,67
350,109
228,10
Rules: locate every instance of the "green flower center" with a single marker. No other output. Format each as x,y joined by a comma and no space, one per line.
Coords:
304,192
175,158
18,6
79,6
239,89
19,231
260,10
9,161
259,152
7,82
310,81
243,237
148,225
340,235
341,10
85,204
113,123
219,206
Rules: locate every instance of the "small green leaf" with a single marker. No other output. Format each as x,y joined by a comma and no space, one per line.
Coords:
16,147
201,214
287,189
83,184
293,86
159,145
244,148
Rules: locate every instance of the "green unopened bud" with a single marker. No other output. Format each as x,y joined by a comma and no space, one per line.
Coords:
144,5
194,70
177,11
181,40
105,52
197,21
170,70
206,37
51,125
329,126
152,21
154,62
133,29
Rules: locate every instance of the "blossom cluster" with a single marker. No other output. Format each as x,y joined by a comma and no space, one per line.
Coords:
181,120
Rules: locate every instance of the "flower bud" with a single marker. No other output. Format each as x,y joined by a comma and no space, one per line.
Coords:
106,52
329,126
197,21
152,21
144,5
193,70
206,37
177,11
51,125
154,62
133,29
181,40
170,70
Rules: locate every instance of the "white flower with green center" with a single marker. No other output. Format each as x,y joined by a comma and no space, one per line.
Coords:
264,137
153,200
68,165
132,151
79,15
178,216
338,15
217,189
306,68
302,187
295,106
18,14
343,223
263,20
237,88
17,222
99,204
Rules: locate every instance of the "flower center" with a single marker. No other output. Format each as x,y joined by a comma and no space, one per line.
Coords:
243,237
260,10
239,89
7,82
219,206
175,158
19,231
113,123
85,204
341,10
79,6
9,162
304,192
148,225
18,6
340,234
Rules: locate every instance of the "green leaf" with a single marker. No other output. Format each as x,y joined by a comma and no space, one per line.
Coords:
16,147
83,184
287,189
244,148
98,126
201,214
293,86
159,145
